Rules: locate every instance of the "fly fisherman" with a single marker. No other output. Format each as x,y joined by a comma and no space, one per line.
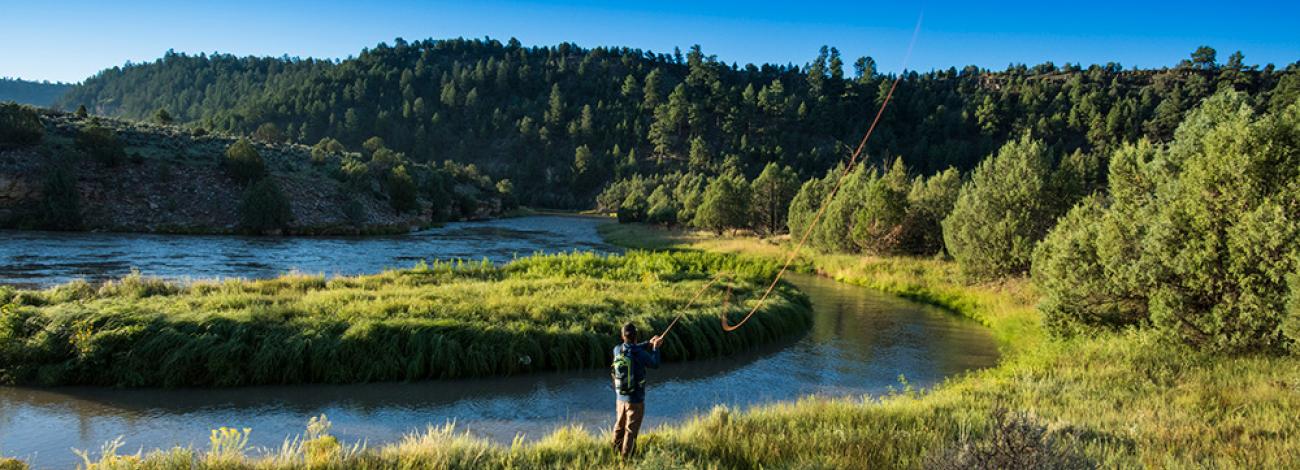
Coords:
630,362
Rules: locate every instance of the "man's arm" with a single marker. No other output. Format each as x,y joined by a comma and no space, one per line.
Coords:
650,352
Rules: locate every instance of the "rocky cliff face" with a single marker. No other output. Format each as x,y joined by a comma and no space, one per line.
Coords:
172,182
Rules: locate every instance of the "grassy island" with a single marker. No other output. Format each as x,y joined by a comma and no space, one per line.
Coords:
440,320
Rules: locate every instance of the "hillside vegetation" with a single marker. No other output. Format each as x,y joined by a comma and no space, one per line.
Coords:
445,320
32,93
565,121
73,171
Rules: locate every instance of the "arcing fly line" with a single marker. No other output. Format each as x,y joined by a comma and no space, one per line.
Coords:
803,238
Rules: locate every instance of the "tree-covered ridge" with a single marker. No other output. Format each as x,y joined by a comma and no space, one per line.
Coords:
563,121
31,92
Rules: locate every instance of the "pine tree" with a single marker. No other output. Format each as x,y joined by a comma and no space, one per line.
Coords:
772,191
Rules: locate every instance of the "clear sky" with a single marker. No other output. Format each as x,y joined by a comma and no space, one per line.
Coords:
72,39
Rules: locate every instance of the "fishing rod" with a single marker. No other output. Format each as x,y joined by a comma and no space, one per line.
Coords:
821,210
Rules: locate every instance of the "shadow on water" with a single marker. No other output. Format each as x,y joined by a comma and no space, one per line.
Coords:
860,343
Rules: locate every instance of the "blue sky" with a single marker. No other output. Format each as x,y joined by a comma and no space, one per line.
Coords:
71,40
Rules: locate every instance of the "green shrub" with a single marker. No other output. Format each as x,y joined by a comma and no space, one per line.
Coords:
354,173
633,207
663,210
1003,211
243,163
268,132
877,223
1078,288
929,201
401,190
264,207
725,204
19,125
102,145
163,117
322,150
61,202
804,206
1199,236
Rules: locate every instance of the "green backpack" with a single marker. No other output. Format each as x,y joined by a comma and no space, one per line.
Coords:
624,375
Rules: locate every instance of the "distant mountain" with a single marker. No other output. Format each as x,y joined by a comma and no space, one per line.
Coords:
32,93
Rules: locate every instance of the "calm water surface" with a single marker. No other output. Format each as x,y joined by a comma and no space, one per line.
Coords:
860,343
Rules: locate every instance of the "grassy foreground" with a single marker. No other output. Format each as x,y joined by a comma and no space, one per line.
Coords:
1121,400
445,320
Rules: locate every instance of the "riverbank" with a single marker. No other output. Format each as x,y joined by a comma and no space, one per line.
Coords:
1119,400
446,320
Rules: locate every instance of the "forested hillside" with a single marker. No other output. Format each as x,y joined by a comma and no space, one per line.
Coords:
564,121
32,93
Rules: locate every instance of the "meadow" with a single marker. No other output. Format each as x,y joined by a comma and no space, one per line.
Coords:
1124,399
441,320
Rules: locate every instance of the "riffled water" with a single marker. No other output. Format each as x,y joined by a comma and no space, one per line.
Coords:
861,342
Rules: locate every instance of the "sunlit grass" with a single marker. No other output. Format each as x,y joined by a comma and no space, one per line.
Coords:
444,320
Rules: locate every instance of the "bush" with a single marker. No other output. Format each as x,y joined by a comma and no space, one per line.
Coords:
877,224
243,163
163,117
268,132
102,145
633,208
61,202
1002,212
506,191
401,190
355,174
663,210
322,150
264,208
1078,289
725,204
1014,440
804,206
929,202
20,125
1198,237
832,231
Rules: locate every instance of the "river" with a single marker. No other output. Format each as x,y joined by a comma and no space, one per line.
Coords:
861,342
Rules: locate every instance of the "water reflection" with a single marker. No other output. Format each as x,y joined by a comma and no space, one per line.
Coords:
41,259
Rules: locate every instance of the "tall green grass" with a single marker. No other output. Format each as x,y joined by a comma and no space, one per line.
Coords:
444,320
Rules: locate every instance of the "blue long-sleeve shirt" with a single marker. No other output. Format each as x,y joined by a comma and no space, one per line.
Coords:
642,357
